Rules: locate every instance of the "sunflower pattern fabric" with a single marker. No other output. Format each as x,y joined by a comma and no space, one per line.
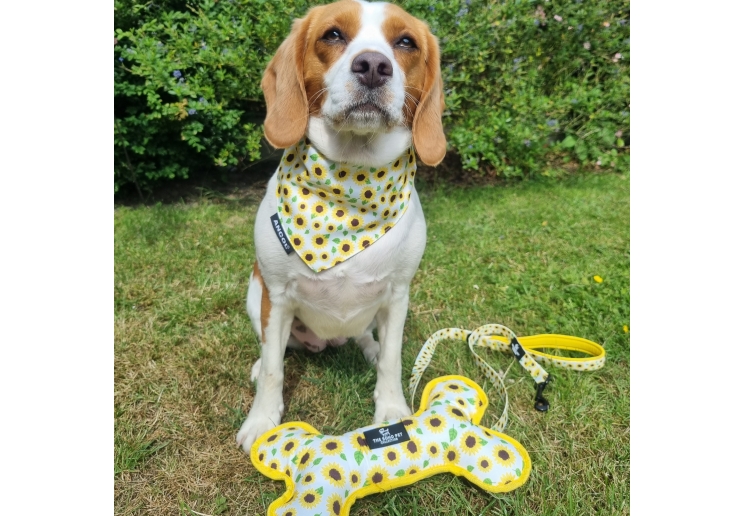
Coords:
500,338
332,211
326,474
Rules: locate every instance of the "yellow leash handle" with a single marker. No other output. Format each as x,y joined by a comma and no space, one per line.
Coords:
501,338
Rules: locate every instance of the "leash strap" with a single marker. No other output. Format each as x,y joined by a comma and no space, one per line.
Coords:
500,338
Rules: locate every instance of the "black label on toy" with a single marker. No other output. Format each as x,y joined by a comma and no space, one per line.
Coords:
280,234
517,349
386,436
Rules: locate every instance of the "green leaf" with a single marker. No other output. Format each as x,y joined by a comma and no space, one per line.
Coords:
452,434
462,425
345,232
319,490
294,459
368,182
401,205
331,204
372,169
317,461
294,199
470,468
336,241
288,221
289,231
569,142
314,157
308,441
351,190
353,237
436,403
483,442
358,457
333,166
273,452
327,181
299,476
333,249
518,472
400,473
487,481
445,445
374,457
343,456
419,431
426,463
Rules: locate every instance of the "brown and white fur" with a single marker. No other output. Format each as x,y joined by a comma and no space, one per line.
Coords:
362,81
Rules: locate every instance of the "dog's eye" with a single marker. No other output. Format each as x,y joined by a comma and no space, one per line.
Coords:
333,35
406,42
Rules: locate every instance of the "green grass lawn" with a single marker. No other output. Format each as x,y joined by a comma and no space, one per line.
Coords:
523,256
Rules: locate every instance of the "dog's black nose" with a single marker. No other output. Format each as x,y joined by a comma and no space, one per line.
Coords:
372,69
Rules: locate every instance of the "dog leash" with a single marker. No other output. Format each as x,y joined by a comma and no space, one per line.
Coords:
501,338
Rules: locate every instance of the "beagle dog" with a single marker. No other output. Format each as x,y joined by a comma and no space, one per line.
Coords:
351,92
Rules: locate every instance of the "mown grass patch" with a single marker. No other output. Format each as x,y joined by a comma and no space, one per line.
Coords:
524,256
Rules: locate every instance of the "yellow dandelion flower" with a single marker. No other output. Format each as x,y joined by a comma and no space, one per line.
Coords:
319,241
380,174
507,478
412,448
598,279
345,247
504,456
332,447
391,456
355,478
355,222
339,213
625,328
289,447
334,474
360,177
377,474
470,443
358,442
334,504
319,208
451,455
306,458
484,464
434,423
318,171
309,499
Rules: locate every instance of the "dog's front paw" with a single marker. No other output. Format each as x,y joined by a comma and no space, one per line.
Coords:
370,348
391,408
255,425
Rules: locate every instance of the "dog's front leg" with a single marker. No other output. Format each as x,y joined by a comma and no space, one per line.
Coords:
268,405
390,403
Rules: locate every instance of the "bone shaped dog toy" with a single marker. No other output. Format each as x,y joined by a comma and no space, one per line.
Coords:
326,474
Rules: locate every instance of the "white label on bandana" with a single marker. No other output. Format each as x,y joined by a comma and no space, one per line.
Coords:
331,211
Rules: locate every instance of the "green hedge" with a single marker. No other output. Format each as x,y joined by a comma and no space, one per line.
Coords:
528,84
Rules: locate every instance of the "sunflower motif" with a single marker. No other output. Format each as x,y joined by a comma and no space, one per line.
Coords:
363,209
355,478
484,464
334,504
343,174
300,221
383,199
332,447
337,261
323,195
286,207
306,458
380,174
324,256
289,447
504,456
410,424
456,412
308,478
334,474
372,226
434,423
397,164
319,241
339,213
454,387
451,455
412,448
389,185
507,478
317,225
309,499
309,257
377,474
305,192
278,190
289,158
297,241
298,177
412,471
387,227
393,198
391,456
355,222
367,194
345,247
470,443
385,213
274,464
290,512
432,449
360,177
337,191
365,242
374,206
358,442
318,171
285,191
319,209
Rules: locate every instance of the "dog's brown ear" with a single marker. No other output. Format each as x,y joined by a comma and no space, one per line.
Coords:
283,86
428,133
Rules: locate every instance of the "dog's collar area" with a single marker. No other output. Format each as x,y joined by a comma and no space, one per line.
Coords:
332,211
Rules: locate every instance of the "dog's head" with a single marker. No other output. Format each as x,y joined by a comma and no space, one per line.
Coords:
357,68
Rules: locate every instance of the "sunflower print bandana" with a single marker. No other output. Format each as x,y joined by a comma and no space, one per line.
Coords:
332,211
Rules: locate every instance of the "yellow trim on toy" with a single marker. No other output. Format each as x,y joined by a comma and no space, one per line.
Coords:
326,474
